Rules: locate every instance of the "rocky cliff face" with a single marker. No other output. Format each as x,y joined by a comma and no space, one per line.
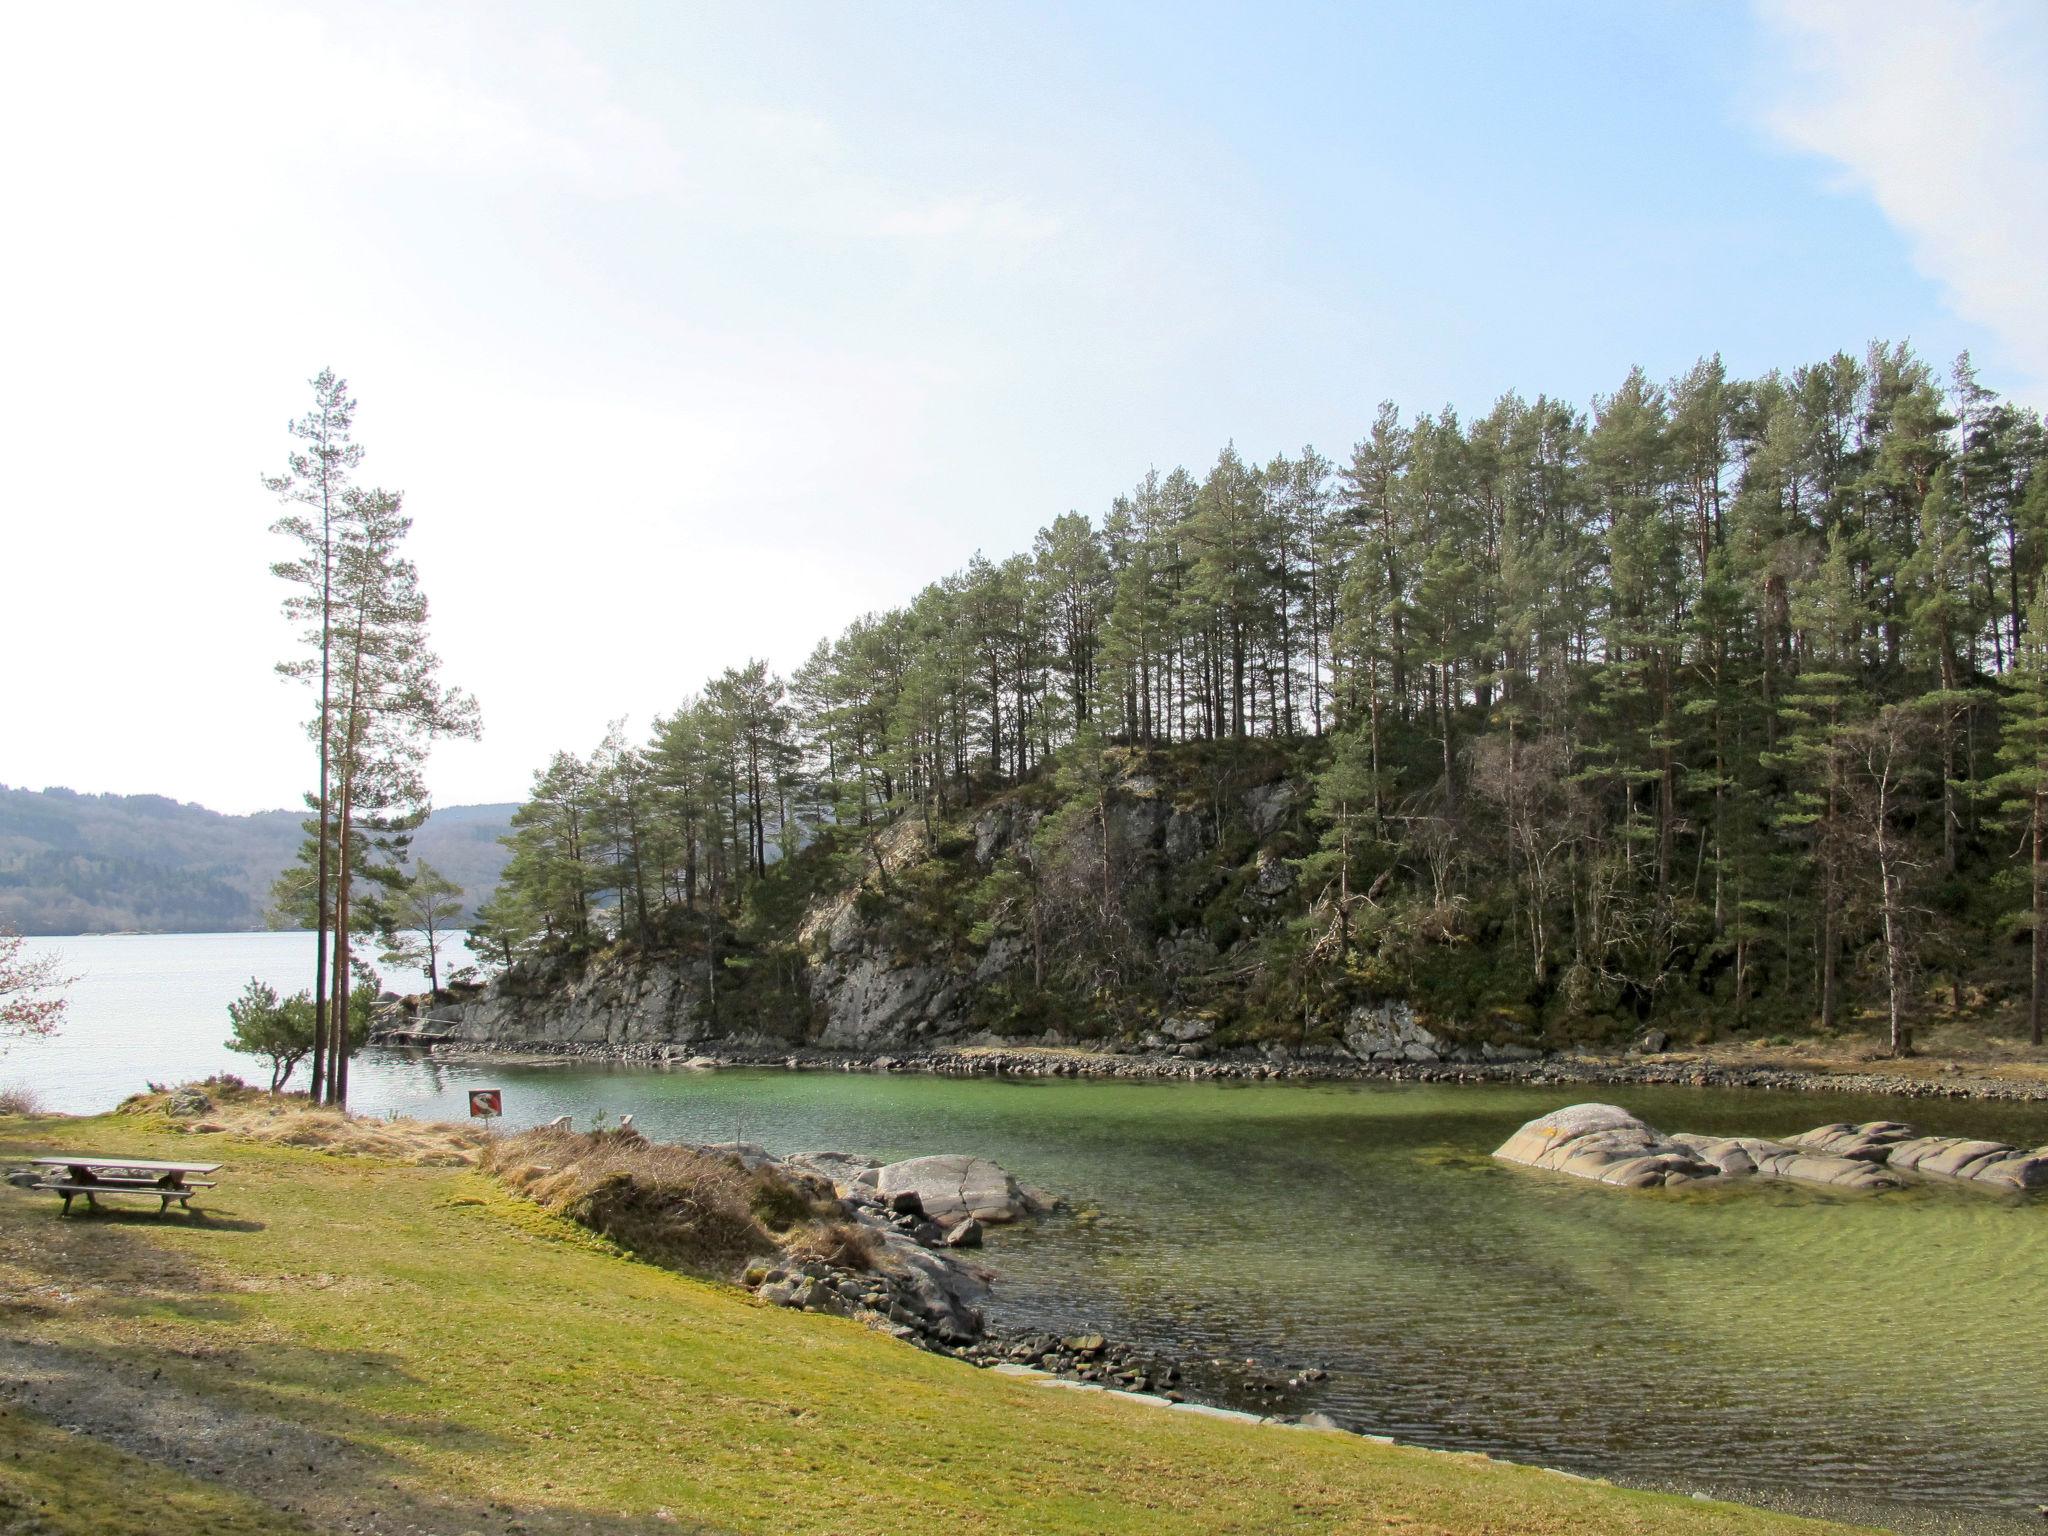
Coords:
618,1006
869,975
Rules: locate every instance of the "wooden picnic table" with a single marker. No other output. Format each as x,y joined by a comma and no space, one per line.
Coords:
92,1174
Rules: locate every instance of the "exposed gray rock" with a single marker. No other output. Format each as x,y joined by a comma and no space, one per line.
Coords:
1389,1032
1269,804
1187,952
1181,1030
1753,1157
872,999
1903,1148
1275,879
1608,1144
843,1169
1182,839
1870,1142
992,833
1978,1162
1136,823
1004,952
188,1104
953,1185
617,1004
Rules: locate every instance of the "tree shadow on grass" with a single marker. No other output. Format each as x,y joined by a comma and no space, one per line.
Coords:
292,1426
198,1218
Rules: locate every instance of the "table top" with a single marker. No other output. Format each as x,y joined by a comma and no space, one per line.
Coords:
97,1160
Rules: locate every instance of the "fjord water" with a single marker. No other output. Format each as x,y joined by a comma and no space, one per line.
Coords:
1872,1358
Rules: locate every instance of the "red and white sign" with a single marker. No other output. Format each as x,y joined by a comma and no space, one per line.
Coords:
486,1102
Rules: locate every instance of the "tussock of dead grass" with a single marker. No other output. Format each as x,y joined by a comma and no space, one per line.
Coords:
292,1120
683,1207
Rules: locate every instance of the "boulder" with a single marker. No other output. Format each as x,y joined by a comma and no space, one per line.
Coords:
1183,840
1274,880
842,1169
1903,1148
1753,1157
1978,1162
188,1103
1607,1144
1870,1142
1389,1032
1188,1028
1268,805
992,834
954,1185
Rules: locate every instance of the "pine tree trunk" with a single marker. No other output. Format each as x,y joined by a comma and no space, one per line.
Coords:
2040,955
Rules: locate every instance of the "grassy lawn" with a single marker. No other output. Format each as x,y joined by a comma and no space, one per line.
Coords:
456,1360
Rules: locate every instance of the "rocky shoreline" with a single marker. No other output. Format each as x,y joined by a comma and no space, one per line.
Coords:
1271,1065
921,1289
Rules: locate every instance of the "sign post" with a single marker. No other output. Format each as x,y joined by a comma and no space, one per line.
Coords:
486,1103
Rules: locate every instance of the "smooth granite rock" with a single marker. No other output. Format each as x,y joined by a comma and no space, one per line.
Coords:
954,1185
1607,1144
1741,1157
1979,1162
1903,1148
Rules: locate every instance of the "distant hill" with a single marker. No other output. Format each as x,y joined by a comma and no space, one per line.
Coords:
72,863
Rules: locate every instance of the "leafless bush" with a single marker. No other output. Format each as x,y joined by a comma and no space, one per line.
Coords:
840,1243
20,1101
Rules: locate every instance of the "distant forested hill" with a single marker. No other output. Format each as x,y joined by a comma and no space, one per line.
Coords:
73,863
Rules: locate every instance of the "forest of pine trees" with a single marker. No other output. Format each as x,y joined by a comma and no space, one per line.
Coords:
1734,689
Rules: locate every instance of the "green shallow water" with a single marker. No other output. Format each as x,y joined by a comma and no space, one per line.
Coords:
1876,1358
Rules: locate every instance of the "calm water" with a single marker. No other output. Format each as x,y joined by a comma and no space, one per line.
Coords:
1871,1358
154,1008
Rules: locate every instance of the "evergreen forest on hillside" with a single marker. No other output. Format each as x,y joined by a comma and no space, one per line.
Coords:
1724,699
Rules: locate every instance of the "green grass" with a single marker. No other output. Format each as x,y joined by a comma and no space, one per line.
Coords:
466,1356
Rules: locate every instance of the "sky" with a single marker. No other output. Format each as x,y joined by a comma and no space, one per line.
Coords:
692,332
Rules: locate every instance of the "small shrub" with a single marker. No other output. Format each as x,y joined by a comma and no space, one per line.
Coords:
777,1202
20,1101
840,1243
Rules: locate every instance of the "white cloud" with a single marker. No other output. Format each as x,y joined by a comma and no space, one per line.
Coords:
1937,112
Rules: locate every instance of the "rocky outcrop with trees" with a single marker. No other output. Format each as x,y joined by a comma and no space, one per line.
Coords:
1721,705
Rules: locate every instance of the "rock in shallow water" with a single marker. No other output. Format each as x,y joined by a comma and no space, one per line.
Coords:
953,1185
1608,1144
1754,1157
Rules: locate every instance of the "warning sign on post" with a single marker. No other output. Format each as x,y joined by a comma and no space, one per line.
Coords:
486,1101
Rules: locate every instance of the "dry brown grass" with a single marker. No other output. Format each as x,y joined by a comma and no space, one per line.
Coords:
292,1120
682,1207
842,1243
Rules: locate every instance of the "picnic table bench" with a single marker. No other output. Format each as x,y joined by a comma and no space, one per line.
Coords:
75,1173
